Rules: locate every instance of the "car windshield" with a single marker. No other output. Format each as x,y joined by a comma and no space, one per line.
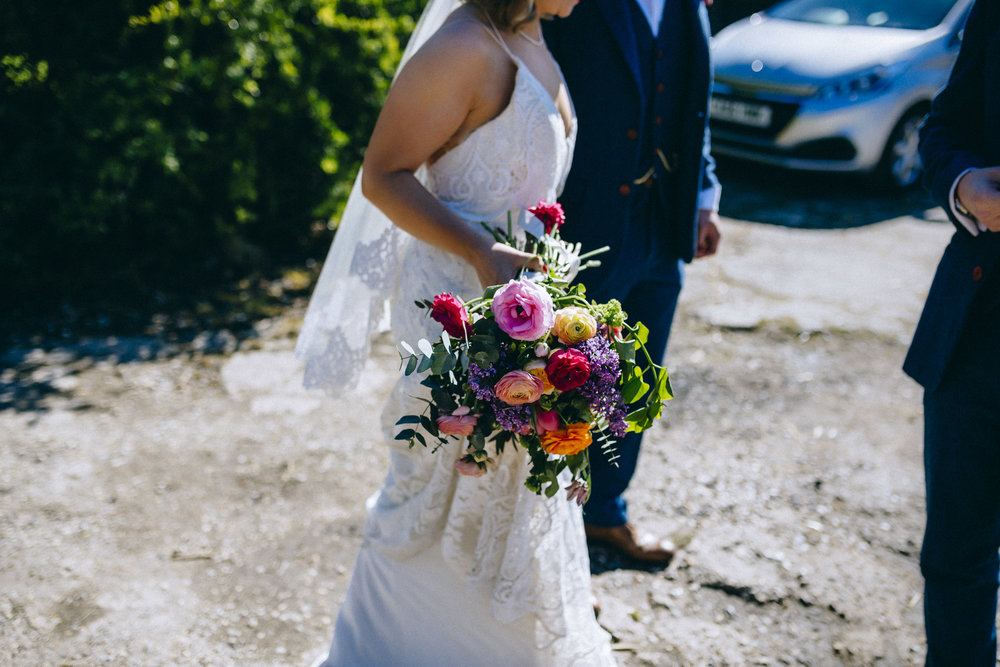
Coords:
908,14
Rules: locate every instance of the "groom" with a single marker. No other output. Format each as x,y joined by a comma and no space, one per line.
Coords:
643,183
955,355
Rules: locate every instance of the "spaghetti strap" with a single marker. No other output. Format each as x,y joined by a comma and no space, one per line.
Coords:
495,33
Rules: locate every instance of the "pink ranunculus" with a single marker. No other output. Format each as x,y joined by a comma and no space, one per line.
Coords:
523,310
474,463
547,420
469,468
518,387
567,369
459,422
551,215
451,314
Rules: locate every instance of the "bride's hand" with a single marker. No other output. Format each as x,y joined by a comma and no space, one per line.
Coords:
499,263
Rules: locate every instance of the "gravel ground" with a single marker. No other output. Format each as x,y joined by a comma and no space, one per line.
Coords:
192,506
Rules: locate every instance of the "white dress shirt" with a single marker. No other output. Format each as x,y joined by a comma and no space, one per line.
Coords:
653,9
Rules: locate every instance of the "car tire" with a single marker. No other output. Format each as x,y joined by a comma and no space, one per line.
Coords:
900,166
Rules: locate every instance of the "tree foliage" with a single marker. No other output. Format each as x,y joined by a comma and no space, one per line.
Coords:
152,146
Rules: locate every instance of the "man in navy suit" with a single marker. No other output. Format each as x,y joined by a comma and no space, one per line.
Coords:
642,182
955,355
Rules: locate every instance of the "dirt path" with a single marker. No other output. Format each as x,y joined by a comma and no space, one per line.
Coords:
203,510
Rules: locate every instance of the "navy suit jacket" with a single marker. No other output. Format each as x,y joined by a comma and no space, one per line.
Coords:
961,131
596,50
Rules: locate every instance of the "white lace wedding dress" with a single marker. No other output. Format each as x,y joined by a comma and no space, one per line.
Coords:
458,570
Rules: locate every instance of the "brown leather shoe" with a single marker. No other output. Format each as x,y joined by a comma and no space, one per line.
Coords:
631,543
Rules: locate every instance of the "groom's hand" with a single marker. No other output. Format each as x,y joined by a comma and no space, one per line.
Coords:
979,192
708,233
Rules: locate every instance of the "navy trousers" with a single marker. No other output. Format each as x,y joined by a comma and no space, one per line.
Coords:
647,283
962,468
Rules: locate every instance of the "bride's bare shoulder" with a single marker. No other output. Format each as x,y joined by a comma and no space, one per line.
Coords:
464,41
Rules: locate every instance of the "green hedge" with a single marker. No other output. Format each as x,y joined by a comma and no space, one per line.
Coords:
156,147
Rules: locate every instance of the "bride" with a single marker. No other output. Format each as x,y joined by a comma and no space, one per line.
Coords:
453,570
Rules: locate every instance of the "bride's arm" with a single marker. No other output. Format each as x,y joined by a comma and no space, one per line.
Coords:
452,85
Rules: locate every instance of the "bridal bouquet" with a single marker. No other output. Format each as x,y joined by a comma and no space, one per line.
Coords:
534,364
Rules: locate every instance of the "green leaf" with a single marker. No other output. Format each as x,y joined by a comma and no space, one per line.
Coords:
437,361
626,349
405,434
663,389
411,365
641,332
425,363
409,419
634,389
428,425
477,441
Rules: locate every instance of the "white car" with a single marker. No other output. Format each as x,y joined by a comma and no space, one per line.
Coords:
834,85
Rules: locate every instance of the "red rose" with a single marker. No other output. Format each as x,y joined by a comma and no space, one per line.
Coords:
551,215
567,369
451,314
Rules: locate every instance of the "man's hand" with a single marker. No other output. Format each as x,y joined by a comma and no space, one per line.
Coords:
979,192
708,233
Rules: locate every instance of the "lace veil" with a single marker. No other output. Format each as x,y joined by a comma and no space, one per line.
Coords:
360,272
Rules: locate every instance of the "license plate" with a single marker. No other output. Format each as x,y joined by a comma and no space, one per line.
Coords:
743,113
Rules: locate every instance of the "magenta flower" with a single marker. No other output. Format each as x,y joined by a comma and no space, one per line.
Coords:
547,420
551,215
523,310
451,314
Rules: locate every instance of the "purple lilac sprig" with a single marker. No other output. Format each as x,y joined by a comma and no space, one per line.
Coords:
601,389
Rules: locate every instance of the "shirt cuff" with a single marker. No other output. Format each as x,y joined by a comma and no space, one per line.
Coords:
709,198
973,225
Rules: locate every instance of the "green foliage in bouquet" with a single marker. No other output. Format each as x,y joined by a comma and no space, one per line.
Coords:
536,365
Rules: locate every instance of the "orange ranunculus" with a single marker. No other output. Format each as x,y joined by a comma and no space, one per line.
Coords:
537,368
570,440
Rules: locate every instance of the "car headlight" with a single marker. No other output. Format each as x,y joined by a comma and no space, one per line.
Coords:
869,81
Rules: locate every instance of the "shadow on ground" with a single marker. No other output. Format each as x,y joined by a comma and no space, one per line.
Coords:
805,200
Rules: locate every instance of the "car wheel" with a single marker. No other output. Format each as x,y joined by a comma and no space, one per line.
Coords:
900,165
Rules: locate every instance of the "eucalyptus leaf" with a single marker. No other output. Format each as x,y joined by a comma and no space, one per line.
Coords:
425,347
411,365
425,363
437,361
